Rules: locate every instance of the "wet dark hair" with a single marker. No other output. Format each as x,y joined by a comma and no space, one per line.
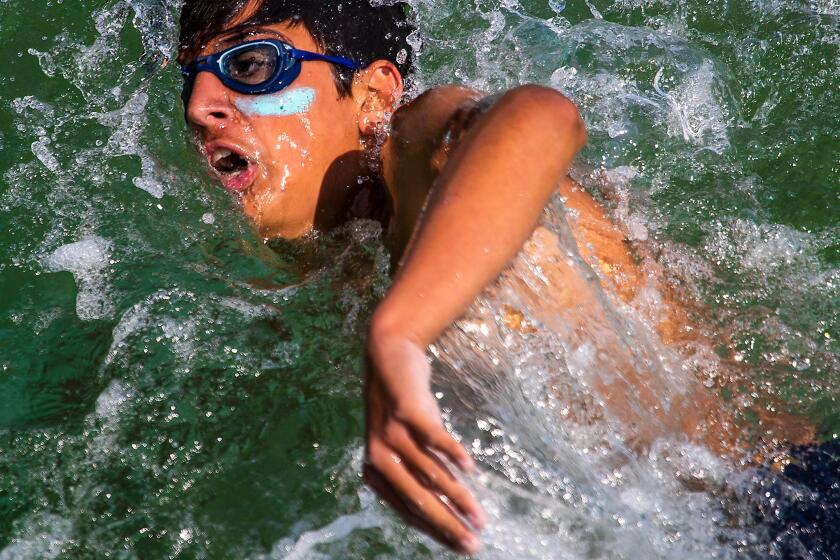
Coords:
351,28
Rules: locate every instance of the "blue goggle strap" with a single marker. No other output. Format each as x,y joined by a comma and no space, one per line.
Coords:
340,60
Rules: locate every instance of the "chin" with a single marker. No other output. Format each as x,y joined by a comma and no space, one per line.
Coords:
270,228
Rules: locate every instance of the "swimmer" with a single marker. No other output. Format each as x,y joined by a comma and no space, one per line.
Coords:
298,106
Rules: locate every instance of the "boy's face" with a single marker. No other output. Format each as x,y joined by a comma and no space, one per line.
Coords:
293,157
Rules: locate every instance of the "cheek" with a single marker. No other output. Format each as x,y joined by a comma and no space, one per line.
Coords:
286,145
290,153
300,138
291,170
283,124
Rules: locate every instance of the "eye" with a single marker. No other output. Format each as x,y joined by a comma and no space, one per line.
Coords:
252,66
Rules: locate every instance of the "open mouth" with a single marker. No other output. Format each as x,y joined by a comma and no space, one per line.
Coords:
225,162
235,170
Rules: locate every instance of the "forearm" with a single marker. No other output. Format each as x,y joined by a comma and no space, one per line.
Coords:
483,207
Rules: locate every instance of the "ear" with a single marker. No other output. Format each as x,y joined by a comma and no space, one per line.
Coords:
377,92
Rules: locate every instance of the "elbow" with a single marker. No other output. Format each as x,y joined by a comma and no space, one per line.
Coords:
550,110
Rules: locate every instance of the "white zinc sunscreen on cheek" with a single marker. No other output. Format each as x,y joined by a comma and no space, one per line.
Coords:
282,104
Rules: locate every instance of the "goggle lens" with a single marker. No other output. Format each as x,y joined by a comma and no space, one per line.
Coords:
252,66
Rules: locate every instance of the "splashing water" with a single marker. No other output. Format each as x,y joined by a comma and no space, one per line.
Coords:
173,387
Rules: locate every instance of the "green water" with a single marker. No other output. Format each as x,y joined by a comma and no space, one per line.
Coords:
171,386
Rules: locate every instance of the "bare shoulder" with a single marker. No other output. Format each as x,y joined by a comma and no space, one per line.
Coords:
427,130
408,169
420,123
434,105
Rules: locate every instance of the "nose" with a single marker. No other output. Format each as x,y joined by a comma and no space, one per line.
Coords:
209,105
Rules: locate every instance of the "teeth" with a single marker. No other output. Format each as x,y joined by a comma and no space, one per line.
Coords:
221,154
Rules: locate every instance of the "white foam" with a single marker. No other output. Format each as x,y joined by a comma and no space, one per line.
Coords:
43,538
31,103
132,321
105,419
42,151
759,248
557,6
128,123
112,399
143,315
615,184
339,529
696,114
45,60
608,98
826,7
155,22
87,260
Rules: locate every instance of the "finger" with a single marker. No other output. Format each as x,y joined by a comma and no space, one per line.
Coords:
384,490
435,474
422,502
432,433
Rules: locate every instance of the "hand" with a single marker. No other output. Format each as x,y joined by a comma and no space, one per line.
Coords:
404,436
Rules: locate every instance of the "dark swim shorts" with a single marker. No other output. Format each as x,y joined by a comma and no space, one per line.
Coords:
801,506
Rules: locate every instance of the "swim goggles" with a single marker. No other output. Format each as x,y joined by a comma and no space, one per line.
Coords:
256,67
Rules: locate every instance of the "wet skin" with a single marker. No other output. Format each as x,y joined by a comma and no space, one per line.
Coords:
458,219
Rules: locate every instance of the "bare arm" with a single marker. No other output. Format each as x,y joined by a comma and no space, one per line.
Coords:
483,207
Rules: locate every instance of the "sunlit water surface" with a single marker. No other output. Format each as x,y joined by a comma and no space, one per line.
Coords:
172,387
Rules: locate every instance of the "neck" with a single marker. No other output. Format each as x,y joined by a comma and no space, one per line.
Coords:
352,189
